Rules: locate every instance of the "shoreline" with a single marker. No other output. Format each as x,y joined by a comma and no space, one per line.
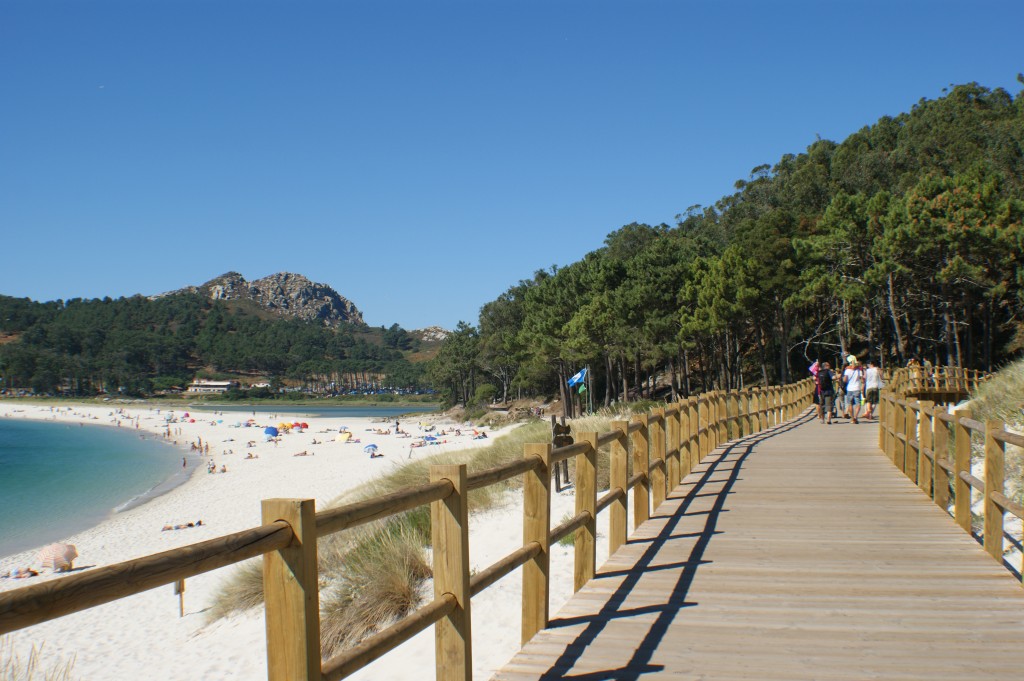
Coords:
130,637
164,486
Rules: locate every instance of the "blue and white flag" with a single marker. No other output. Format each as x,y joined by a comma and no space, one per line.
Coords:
578,378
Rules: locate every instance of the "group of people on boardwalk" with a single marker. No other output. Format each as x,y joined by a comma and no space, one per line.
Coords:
856,387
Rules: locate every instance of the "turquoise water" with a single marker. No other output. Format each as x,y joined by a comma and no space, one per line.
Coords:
58,479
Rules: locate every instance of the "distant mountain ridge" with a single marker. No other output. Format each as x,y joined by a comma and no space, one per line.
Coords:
285,294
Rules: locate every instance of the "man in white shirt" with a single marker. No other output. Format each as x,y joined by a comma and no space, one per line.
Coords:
872,388
853,376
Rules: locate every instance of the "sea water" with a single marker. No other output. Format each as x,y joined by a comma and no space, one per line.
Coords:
58,478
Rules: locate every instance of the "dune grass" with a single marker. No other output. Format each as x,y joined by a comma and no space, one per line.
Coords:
375,574
1002,397
13,667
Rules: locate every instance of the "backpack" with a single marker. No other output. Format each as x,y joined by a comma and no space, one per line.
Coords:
825,381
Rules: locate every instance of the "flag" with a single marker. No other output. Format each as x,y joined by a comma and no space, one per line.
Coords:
578,377
813,368
583,388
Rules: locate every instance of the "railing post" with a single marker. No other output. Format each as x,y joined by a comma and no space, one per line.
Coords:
694,446
712,426
682,444
882,416
449,533
536,529
722,429
291,596
619,479
762,409
641,466
961,464
703,423
912,452
925,468
746,427
940,445
900,427
586,502
658,455
995,474
675,448
890,426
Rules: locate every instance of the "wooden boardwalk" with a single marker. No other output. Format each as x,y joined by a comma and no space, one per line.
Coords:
797,553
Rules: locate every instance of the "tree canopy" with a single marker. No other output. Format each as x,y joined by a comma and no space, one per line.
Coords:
905,240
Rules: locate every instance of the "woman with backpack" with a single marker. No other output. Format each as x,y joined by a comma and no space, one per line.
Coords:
826,389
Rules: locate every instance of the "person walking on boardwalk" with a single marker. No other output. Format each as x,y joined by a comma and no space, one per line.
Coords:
873,385
826,384
853,377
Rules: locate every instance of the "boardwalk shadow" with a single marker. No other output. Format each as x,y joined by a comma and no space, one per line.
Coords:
727,465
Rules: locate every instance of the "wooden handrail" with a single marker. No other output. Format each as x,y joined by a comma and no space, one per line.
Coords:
666,445
506,471
379,644
906,425
42,602
503,567
362,512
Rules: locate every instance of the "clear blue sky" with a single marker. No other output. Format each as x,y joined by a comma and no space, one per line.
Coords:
421,157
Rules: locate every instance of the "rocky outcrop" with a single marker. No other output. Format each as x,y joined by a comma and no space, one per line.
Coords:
431,334
285,294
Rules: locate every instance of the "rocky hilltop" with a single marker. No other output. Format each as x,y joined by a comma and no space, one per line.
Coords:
286,294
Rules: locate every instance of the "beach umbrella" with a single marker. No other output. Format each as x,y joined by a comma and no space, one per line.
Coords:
58,556
271,431
344,436
430,438
370,449
342,428
304,425
186,414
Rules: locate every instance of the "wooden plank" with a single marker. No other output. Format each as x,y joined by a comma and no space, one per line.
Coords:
536,526
585,544
995,473
619,470
641,466
449,530
291,595
734,581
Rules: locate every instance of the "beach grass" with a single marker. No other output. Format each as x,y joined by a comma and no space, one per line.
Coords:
1002,397
14,667
372,575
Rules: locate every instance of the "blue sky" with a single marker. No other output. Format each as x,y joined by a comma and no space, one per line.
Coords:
421,157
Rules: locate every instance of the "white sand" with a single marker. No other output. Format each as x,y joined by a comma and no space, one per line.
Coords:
143,636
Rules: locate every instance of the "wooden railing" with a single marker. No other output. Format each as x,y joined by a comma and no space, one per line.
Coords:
933,448
946,380
659,448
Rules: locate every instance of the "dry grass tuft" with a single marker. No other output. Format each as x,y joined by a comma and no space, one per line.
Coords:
241,591
1002,397
375,574
14,668
379,581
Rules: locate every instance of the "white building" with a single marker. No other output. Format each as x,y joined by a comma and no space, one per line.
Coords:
203,387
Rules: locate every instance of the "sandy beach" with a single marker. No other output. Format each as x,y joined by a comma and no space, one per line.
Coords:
143,636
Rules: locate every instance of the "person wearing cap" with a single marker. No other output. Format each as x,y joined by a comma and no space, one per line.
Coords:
853,376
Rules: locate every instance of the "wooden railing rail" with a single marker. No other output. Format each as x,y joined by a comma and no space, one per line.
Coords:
648,456
933,448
